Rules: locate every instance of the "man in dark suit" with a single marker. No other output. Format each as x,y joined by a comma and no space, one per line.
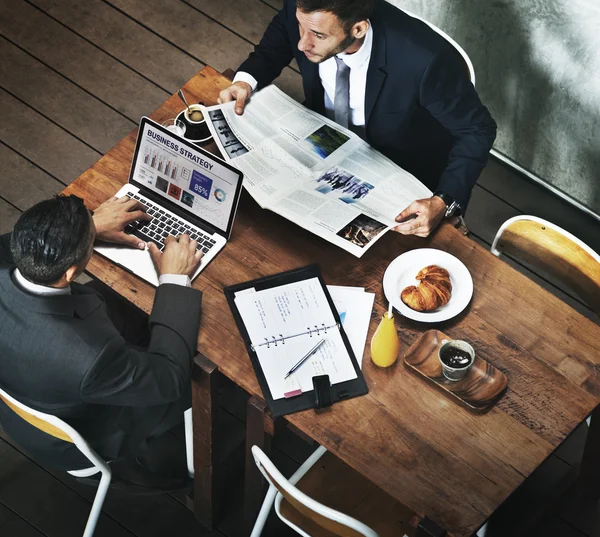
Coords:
60,351
391,79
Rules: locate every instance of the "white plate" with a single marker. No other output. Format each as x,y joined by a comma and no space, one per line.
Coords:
401,273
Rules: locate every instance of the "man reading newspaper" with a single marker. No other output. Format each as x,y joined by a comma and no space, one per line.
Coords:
392,80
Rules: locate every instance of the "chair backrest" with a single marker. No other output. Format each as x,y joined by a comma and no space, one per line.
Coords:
29,417
468,64
319,514
555,251
53,426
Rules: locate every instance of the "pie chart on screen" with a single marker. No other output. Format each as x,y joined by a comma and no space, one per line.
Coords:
220,194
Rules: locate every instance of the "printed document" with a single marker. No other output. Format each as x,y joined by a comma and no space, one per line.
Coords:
312,171
286,322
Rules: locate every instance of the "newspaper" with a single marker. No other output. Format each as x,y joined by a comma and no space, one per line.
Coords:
312,171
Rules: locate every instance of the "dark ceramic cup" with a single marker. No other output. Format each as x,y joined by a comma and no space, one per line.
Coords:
196,129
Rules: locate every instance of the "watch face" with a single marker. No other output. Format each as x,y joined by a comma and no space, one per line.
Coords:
451,209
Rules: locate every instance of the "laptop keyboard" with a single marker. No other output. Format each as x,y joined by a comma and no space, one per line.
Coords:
164,224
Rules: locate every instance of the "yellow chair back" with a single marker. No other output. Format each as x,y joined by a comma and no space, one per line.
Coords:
38,423
555,251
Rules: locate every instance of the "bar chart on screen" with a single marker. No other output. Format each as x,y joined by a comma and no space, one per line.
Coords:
160,163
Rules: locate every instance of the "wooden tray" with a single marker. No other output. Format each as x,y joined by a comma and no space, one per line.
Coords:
482,385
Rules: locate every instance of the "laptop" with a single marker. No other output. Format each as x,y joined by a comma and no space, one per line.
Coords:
185,189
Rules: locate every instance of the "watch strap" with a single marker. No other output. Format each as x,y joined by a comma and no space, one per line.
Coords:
452,207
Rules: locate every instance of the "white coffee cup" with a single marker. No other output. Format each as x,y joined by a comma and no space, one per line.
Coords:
195,111
196,128
462,350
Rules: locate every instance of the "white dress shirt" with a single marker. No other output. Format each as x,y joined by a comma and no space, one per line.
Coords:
34,288
176,279
358,63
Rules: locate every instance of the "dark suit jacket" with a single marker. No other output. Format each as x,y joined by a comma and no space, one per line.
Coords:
421,110
62,355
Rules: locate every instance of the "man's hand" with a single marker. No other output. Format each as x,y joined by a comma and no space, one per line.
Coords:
179,257
113,215
426,215
238,91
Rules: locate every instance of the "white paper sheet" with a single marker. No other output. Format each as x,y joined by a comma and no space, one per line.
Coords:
284,323
354,307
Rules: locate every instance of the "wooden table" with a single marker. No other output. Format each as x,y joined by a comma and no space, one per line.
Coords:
443,461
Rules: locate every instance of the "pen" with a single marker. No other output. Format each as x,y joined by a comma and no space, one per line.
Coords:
304,358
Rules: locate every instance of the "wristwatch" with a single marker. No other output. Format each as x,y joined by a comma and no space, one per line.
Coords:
452,206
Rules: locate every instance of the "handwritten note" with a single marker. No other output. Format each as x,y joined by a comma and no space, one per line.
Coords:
284,323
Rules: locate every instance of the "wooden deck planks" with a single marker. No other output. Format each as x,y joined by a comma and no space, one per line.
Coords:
61,101
249,22
572,450
8,216
13,525
486,213
46,503
555,527
21,183
275,4
43,142
187,28
211,43
159,515
147,516
125,39
529,498
581,514
79,61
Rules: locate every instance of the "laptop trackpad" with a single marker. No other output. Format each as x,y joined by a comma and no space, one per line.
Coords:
137,261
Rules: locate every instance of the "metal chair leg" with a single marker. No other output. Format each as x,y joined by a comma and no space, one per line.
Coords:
264,512
98,502
189,441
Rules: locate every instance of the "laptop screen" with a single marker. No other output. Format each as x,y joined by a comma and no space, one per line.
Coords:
192,179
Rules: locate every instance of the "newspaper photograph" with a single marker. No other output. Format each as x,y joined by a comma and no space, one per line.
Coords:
312,171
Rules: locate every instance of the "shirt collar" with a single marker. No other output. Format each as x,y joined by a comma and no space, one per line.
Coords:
36,289
363,54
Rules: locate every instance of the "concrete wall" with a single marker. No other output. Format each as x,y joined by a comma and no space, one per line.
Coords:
537,64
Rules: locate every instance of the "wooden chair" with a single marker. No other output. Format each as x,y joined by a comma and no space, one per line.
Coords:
59,429
555,251
187,420
325,478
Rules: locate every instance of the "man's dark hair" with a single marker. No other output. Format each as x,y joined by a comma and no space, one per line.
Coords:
51,237
348,12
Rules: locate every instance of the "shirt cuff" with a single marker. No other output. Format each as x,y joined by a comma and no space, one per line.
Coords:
246,77
176,279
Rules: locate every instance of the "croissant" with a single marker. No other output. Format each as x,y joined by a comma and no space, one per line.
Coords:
433,291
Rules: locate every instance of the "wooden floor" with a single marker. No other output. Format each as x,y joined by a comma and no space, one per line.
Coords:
75,77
